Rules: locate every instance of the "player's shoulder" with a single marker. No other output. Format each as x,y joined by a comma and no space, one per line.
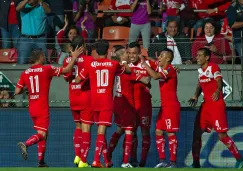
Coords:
213,65
67,60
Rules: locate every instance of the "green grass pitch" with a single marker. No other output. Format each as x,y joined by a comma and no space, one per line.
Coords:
109,169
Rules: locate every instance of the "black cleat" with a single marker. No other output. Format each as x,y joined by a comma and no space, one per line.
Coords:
23,150
42,164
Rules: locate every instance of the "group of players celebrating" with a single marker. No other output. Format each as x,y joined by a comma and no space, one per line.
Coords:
91,82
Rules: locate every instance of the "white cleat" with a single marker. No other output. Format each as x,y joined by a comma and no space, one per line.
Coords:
126,165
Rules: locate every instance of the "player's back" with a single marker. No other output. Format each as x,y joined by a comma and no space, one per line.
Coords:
168,87
102,74
37,79
207,79
124,87
79,93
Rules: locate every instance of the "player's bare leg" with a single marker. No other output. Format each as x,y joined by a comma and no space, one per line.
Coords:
100,147
86,139
127,145
173,145
134,160
230,144
113,141
77,141
160,142
145,145
197,142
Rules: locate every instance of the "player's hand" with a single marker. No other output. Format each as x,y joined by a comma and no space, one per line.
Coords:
177,69
215,95
193,101
66,20
77,52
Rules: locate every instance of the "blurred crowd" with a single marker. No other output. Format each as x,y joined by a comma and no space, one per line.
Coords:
184,26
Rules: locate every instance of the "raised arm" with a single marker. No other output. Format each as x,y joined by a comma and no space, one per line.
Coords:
21,5
133,6
155,75
45,6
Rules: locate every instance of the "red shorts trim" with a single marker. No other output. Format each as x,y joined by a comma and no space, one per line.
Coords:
169,118
84,116
124,113
103,117
144,113
41,122
213,115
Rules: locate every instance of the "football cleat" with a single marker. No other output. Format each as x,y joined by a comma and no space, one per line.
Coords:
42,164
83,165
23,150
126,165
195,165
239,164
109,164
171,165
76,160
134,163
162,164
97,165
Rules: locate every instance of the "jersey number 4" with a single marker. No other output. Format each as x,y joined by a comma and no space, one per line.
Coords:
34,84
102,77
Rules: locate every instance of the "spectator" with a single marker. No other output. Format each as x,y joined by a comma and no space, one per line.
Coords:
172,8
214,41
163,14
235,18
174,40
119,19
5,95
140,21
64,37
9,23
33,17
85,17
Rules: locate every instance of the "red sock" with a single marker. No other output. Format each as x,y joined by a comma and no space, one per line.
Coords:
77,139
85,146
145,147
113,142
134,148
104,152
34,139
41,150
173,147
127,147
230,144
99,146
196,149
160,142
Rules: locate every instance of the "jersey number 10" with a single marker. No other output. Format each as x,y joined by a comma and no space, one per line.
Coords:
102,77
34,84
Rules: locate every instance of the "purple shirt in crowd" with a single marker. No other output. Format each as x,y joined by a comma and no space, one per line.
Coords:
140,14
164,15
89,24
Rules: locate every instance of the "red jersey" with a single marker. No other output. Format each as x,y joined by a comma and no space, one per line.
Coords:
207,79
225,29
141,90
124,86
79,93
171,7
101,73
168,85
121,5
37,79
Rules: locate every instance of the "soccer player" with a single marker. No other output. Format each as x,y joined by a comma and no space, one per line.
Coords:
168,119
102,72
37,79
143,104
124,111
212,113
79,95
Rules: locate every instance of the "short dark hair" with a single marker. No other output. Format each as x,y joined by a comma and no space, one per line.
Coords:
35,55
78,41
118,47
72,27
134,44
170,21
216,25
102,47
169,51
205,51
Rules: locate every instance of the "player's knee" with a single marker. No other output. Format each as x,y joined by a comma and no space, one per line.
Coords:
128,132
78,125
101,129
159,132
145,132
222,135
171,134
44,134
85,127
119,131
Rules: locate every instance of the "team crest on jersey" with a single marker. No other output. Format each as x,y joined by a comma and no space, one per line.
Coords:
207,73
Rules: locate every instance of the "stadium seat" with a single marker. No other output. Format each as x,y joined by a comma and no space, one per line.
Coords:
8,55
116,35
